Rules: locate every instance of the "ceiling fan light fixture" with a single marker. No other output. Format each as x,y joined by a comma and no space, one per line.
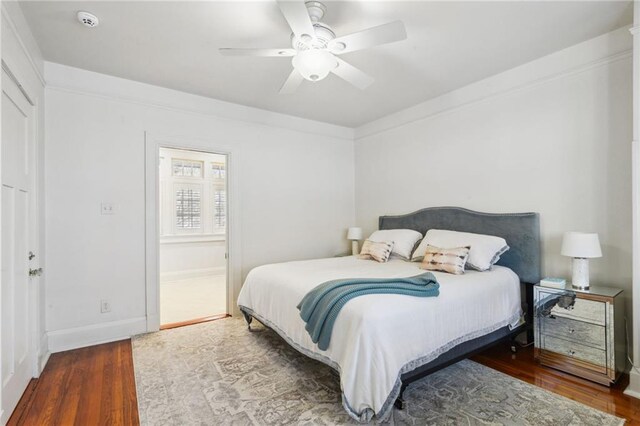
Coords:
314,64
315,48
338,46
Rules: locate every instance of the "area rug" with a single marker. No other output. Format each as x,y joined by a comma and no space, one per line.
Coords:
219,373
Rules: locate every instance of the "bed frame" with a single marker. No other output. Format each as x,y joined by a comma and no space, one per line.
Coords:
522,233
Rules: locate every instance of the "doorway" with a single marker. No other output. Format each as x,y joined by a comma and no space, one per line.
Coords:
192,243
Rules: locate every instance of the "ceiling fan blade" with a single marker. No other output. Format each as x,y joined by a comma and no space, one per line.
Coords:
387,33
353,75
296,14
230,51
292,83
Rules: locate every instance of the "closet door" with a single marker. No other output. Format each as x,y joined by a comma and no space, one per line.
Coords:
18,240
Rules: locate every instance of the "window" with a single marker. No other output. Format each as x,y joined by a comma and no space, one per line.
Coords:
188,208
218,171
188,168
193,196
220,209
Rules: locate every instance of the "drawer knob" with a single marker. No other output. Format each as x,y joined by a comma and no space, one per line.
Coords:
572,331
572,353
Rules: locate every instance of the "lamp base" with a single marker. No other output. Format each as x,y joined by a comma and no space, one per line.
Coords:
354,247
580,280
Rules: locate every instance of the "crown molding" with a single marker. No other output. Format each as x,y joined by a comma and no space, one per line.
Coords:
7,14
608,48
78,81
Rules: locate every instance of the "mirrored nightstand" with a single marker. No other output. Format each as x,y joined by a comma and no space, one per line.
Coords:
580,332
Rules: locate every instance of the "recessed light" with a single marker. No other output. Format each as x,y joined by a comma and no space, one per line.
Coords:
88,19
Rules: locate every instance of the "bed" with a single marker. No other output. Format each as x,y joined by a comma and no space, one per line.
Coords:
383,342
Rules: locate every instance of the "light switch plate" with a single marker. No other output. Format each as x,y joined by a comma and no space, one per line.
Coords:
108,208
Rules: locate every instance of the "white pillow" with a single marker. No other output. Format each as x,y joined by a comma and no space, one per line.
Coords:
404,240
485,249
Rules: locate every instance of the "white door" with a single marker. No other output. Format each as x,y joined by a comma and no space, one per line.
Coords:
18,218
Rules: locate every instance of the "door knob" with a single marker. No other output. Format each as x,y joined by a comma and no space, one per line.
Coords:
35,272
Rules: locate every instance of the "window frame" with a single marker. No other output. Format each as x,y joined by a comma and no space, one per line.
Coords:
208,184
186,160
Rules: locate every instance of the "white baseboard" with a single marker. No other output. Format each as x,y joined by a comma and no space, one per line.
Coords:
43,354
192,273
42,362
95,334
634,385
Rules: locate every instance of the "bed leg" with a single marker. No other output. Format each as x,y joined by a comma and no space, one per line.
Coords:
248,318
513,345
400,403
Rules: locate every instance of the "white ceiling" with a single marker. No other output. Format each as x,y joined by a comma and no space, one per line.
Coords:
449,45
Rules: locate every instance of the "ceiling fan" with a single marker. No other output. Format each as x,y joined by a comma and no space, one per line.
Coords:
315,46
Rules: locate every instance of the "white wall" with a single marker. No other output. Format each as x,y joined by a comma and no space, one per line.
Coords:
181,260
552,136
296,190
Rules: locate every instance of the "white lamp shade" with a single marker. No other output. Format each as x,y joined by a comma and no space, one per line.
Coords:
314,64
354,234
581,244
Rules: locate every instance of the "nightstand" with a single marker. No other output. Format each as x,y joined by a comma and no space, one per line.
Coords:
580,332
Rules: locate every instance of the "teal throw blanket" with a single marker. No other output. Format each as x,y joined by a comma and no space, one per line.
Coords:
320,307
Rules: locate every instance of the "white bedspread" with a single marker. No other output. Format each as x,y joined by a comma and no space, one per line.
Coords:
378,337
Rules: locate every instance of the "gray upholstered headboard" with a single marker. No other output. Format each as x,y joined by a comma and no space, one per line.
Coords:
521,230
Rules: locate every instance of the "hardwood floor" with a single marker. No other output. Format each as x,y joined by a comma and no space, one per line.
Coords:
95,386
88,386
523,366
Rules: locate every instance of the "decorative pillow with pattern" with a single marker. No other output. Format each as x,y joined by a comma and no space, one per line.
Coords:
451,260
485,249
378,251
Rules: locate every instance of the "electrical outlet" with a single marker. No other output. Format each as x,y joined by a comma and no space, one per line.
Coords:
105,306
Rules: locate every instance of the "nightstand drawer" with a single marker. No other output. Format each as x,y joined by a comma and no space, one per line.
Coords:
574,350
584,310
577,331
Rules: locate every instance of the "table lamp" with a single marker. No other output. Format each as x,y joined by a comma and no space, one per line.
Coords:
581,246
354,234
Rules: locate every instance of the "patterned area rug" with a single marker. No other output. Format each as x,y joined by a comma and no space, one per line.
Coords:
219,373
